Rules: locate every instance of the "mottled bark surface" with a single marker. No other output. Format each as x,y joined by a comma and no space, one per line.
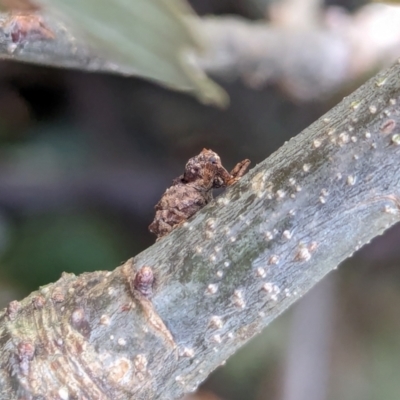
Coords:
224,275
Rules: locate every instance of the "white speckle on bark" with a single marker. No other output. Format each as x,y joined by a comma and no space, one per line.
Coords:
280,194
104,319
273,260
317,143
372,109
212,288
223,201
216,322
286,235
396,139
187,352
268,287
217,338
331,131
344,138
303,254
210,224
380,82
260,272
272,290
351,180
63,393
268,236
238,299
390,210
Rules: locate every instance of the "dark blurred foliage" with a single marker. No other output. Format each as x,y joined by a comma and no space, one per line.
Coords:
85,157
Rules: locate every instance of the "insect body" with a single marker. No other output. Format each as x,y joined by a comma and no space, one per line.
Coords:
193,190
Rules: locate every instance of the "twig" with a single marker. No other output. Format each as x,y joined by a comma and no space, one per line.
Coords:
340,49
307,63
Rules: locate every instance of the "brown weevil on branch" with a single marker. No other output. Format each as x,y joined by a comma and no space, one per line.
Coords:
193,190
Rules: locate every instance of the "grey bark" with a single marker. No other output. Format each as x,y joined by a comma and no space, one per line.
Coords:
223,276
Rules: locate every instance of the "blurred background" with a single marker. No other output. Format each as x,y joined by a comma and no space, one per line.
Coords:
85,157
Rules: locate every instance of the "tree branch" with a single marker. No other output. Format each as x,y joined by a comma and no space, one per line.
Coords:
259,53
223,276
341,48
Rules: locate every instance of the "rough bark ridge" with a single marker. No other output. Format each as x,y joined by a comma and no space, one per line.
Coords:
223,276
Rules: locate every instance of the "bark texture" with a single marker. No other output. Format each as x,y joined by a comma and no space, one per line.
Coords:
221,277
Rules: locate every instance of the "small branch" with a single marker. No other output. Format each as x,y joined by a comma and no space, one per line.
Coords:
340,49
222,277
308,63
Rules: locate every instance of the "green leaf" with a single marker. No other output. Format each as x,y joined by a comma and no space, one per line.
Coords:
152,37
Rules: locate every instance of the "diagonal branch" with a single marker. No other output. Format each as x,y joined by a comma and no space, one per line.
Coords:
223,276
